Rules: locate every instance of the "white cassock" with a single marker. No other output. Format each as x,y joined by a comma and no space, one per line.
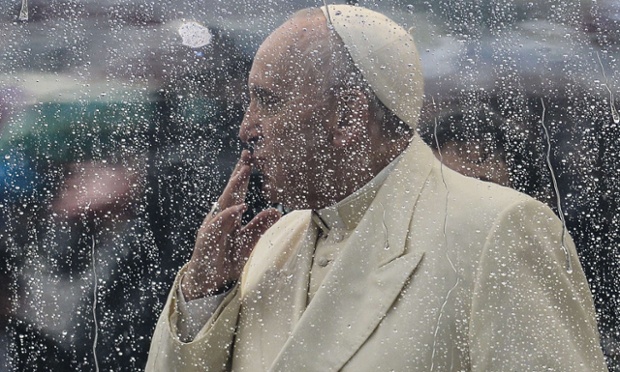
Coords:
429,270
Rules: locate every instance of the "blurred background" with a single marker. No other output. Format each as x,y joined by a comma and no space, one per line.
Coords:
118,129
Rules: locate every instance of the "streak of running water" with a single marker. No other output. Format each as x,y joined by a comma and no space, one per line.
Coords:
92,251
385,229
614,112
445,229
569,267
23,12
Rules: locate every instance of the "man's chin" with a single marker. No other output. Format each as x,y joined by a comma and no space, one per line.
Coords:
276,196
288,197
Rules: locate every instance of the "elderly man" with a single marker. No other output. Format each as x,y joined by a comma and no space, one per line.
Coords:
389,261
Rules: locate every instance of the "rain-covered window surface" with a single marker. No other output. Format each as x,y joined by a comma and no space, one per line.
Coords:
118,131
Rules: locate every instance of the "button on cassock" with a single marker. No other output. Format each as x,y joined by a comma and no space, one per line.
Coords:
322,261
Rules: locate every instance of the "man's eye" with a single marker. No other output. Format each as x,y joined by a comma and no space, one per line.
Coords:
268,101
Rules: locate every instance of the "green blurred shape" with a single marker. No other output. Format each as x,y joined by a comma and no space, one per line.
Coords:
81,130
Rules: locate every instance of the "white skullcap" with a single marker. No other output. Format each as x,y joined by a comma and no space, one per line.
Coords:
386,56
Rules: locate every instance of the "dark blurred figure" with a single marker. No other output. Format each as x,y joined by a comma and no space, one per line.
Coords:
595,225
105,233
471,136
93,277
23,345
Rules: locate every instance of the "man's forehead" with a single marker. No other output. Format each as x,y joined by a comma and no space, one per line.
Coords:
288,52
282,65
289,79
294,35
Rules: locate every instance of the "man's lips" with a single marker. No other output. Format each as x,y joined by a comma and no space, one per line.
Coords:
256,160
257,163
260,165
253,155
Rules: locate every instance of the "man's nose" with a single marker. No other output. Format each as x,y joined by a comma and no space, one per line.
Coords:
249,132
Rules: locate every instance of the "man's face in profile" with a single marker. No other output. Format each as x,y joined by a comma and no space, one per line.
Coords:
287,121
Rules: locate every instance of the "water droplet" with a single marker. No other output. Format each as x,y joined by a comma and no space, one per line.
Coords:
194,35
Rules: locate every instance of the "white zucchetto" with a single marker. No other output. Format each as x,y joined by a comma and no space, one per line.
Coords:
385,54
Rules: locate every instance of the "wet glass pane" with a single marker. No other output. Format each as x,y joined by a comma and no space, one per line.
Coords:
119,130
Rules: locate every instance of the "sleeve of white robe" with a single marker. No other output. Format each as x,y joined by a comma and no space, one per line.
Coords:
529,310
210,350
194,314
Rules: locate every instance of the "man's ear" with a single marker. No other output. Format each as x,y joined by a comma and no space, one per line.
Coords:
353,118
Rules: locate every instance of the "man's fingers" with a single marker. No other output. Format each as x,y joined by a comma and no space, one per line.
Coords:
237,186
224,223
244,159
251,233
230,218
235,190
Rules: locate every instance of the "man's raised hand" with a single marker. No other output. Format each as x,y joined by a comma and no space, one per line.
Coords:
223,244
